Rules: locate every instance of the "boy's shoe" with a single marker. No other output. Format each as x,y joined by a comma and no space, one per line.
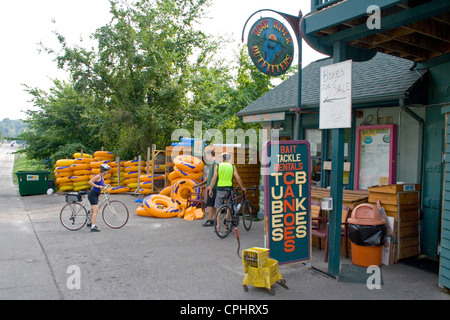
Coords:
208,223
95,229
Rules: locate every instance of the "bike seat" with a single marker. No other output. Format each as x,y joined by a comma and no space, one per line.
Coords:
83,193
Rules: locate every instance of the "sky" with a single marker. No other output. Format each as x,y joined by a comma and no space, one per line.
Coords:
24,24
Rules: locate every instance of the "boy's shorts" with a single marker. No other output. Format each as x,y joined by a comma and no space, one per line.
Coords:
210,201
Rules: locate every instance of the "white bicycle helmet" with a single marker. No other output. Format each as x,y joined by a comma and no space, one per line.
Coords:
104,167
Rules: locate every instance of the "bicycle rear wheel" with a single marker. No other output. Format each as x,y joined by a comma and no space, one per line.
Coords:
115,214
247,215
73,216
223,221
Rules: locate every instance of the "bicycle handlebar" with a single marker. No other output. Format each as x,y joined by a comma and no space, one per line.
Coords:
254,189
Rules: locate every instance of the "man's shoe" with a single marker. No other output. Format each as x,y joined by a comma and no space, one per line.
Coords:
95,229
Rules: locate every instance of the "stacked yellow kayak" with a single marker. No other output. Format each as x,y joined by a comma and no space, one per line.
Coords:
63,171
73,174
81,173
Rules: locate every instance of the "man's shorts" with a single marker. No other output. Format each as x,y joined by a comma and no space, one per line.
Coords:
222,196
210,201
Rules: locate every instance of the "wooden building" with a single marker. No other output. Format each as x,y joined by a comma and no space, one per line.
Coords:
401,68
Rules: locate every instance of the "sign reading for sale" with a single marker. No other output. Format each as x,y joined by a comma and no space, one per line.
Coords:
287,200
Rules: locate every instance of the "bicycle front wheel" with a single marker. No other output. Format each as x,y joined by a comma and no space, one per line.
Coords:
247,215
73,216
115,214
223,221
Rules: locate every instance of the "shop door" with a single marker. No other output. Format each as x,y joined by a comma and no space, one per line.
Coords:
444,268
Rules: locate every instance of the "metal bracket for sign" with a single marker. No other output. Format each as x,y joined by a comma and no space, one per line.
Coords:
294,21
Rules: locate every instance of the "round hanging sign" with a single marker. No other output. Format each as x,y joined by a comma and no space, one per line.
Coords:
271,46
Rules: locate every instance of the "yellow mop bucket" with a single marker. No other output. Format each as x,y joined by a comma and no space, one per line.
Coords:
261,271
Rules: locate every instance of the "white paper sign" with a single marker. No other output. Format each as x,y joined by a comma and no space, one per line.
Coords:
336,96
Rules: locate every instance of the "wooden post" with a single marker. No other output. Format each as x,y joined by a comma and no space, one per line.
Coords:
139,172
148,160
118,172
298,115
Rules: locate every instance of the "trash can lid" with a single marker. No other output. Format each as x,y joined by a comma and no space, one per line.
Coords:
366,214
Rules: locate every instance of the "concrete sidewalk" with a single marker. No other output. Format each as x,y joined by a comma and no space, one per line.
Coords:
24,269
158,259
163,259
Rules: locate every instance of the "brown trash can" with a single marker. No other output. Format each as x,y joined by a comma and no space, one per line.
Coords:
367,231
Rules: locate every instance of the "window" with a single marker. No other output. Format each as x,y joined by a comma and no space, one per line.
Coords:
314,137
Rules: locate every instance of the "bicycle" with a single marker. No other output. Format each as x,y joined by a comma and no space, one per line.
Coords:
228,215
75,214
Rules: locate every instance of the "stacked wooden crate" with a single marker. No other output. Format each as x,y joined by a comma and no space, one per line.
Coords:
250,175
401,202
248,167
158,168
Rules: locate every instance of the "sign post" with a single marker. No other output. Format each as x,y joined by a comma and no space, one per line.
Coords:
335,113
287,200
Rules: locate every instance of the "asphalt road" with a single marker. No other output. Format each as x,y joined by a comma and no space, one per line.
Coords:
154,259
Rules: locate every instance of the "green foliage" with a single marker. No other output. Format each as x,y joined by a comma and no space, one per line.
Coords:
62,118
67,151
138,72
151,72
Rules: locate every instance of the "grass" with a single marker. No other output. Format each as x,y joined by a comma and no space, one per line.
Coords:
21,163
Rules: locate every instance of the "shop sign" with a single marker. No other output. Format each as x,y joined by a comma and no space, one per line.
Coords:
336,96
287,200
271,46
265,117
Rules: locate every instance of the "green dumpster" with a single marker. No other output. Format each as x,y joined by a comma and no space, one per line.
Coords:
32,182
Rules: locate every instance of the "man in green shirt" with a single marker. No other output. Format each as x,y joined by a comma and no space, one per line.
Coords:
223,174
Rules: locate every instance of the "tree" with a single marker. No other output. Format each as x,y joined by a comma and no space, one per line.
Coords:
138,74
61,119
11,129
218,92
151,72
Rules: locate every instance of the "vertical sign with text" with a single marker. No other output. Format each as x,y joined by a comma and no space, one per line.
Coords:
287,200
336,96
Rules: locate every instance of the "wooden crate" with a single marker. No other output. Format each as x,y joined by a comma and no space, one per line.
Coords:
404,207
158,159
